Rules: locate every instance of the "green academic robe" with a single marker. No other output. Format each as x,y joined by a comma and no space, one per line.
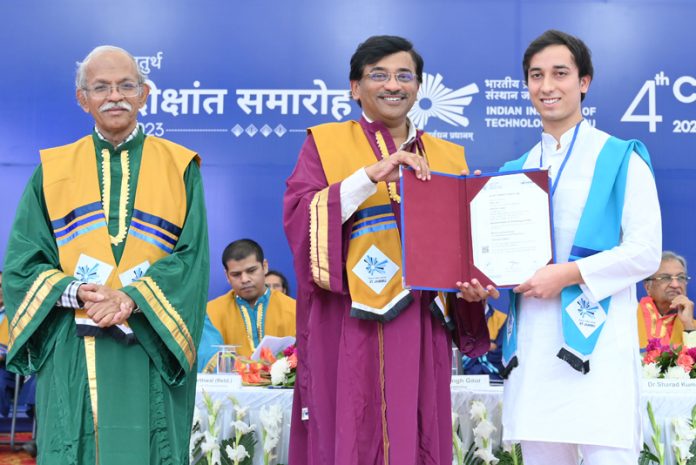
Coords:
144,392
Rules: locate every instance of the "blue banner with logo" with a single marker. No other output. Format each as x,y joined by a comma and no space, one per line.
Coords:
239,82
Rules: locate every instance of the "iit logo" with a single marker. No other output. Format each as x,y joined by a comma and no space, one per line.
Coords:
435,100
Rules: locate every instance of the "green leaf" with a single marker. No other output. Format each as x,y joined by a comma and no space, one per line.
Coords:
469,458
514,457
692,449
249,442
646,457
290,380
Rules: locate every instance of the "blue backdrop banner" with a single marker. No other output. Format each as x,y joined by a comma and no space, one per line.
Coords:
239,82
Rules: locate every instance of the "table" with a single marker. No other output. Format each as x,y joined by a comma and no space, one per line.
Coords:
669,399
254,398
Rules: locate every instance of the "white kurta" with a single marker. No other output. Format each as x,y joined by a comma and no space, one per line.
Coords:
545,399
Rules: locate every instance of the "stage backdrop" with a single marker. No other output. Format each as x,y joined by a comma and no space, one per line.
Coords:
239,82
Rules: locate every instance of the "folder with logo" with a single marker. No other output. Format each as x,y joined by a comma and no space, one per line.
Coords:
496,228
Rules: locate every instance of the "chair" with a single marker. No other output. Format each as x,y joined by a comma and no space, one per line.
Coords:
24,394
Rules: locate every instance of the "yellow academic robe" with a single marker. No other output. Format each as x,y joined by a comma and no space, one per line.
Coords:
225,315
675,339
4,334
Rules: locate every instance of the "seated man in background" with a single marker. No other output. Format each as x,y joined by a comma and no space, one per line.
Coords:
666,313
250,310
489,363
276,281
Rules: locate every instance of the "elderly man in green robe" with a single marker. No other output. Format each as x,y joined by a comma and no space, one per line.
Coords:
105,282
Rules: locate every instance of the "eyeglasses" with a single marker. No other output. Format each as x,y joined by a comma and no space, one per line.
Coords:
403,77
127,89
666,278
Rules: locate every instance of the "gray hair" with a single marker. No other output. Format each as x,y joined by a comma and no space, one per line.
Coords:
669,255
80,75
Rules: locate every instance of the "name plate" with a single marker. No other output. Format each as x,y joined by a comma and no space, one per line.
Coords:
215,382
471,381
669,384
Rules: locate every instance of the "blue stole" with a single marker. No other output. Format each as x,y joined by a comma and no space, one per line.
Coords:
207,348
599,229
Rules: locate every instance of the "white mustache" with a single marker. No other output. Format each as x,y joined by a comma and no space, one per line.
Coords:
110,105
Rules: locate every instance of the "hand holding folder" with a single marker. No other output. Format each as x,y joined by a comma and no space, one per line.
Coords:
494,228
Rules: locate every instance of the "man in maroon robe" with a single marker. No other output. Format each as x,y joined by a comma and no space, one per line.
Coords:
373,384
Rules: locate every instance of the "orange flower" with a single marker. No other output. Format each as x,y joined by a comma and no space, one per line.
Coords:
252,372
267,355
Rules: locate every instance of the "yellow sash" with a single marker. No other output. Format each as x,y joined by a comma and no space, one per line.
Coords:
651,325
225,315
375,241
75,207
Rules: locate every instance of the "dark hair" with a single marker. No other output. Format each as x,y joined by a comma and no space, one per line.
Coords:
241,249
377,47
283,280
581,53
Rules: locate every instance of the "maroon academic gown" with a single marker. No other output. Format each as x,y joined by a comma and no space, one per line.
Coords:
338,399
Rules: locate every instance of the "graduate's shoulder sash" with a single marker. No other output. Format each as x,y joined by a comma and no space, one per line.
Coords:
373,261
80,221
599,229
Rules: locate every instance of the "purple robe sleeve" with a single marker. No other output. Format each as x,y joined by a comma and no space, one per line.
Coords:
312,222
470,328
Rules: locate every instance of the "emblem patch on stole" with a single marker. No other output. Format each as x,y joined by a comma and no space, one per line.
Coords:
91,270
375,269
135,273
588,316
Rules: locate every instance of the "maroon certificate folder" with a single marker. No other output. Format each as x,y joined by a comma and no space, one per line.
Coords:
496,228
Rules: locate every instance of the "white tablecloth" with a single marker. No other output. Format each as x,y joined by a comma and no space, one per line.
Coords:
253,398
667,404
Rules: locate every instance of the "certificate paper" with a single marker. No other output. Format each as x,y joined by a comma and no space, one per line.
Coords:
495,228
510,235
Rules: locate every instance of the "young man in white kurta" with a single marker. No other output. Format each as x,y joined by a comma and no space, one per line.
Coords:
546,399
555,411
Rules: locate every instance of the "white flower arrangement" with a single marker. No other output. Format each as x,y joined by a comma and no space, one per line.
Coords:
242,432
239,410
480,451
676,372
684,435
280,371
651,371
513,451
457,443
207,448
483,431
478,411
236,454
659,455
203,445
271,425
486,455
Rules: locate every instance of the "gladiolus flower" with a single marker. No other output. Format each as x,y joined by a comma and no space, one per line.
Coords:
267,355
478,410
